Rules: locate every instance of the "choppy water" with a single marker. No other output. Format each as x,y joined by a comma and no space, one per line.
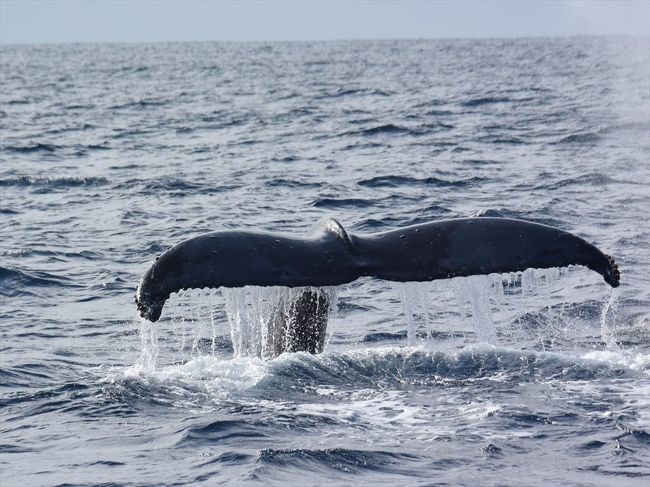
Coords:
110,153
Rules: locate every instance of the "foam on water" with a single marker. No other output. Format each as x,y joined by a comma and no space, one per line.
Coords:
220,377
355,376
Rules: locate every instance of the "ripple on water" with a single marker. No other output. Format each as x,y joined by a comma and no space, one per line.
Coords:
98,178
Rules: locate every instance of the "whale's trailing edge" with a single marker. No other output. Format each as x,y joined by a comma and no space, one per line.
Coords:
436,250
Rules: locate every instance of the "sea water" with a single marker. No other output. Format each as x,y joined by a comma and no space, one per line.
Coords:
110,153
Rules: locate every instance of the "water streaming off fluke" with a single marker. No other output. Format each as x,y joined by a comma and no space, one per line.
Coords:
251,321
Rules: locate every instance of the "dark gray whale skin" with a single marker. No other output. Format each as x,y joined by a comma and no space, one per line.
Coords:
436,250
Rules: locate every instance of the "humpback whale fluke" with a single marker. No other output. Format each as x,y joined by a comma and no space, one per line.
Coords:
426,252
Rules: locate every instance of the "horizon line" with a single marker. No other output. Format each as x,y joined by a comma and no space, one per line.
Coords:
350,39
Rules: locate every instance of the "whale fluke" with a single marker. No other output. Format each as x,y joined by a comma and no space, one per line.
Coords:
430,251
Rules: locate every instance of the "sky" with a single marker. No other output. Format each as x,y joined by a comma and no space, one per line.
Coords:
56,21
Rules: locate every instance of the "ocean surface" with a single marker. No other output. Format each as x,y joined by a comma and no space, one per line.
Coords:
111,153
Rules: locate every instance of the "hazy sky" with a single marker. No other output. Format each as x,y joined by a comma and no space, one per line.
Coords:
39,21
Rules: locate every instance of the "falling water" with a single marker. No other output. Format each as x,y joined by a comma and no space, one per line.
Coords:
480,303
491,306
254,316
149,341
607,329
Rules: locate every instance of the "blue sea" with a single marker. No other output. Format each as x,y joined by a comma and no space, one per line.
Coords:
111,153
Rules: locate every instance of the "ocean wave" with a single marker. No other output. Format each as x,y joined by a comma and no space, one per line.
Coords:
24,375
346,460
79,106
54,182
387,129
591,179
643,127
580,139
349,92
425,215
394,181
502,140
227,458
439,113
402,335
400,365
216,432
290,183
490,100
519,215
32,147
15,282
392,366
139,104
8,448
343,203
481,162
172,186
285,159
88,255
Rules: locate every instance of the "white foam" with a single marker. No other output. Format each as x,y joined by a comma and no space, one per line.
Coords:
629,359
222,377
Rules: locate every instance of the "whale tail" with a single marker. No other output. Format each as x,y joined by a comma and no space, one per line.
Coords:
475,246
436,250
